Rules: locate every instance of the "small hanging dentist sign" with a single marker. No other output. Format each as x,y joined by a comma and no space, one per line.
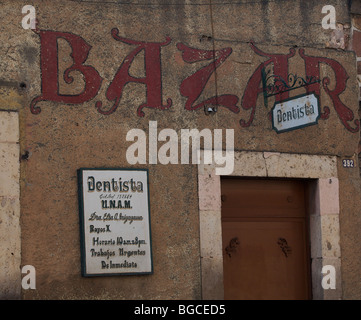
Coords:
295,113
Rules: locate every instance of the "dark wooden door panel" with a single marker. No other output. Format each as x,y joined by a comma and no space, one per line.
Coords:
264,240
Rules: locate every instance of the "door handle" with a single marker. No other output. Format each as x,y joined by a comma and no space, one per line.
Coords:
232,247
286,249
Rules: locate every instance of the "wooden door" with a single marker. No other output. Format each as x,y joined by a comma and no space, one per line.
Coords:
265,239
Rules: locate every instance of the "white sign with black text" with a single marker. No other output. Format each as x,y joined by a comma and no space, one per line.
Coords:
295,113
114,222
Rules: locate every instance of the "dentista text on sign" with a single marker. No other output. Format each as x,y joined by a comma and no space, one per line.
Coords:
114,222
295,113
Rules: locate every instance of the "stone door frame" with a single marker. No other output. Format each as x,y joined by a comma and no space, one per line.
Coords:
323,203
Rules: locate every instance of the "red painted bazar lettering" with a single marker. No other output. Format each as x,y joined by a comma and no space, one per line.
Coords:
191,87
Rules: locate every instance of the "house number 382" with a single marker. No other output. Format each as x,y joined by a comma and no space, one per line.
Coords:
348,163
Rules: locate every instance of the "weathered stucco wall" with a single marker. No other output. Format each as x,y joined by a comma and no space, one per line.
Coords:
10,206
57,137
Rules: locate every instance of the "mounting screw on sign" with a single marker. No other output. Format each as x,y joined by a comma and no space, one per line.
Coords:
348,163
